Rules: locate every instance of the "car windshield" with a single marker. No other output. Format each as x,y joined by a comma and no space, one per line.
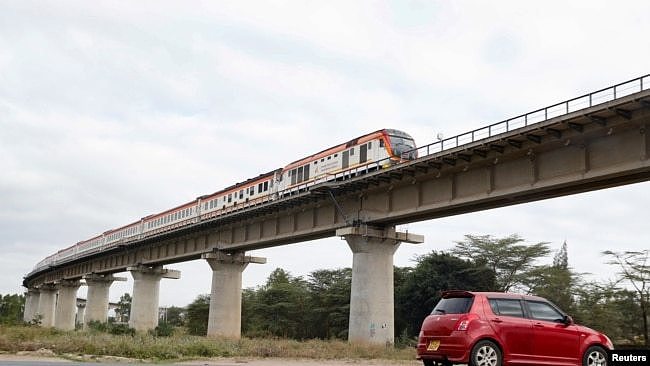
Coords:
453,305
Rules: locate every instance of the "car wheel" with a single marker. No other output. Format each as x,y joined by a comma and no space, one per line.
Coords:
485,353
594,356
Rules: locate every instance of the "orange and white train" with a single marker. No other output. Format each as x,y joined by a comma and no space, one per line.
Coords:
366,153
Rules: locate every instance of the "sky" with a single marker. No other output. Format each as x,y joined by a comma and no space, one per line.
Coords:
111,111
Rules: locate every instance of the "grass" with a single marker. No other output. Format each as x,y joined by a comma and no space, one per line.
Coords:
182,346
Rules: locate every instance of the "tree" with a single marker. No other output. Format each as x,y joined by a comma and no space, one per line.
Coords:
635,270
555,282
176,316
11,309
329,301
435,272
609,309
198,313
512,262
123,310
280,307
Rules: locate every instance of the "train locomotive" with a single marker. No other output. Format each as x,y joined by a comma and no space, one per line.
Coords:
376,150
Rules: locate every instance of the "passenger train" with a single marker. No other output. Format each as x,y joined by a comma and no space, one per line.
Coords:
375,150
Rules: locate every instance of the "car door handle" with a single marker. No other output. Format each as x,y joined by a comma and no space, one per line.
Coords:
540,325
497,320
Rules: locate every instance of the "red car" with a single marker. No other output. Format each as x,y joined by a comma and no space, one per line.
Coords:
494,328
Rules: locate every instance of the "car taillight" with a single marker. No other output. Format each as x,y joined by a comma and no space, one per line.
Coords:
463,322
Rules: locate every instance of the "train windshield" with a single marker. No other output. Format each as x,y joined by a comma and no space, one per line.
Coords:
402,143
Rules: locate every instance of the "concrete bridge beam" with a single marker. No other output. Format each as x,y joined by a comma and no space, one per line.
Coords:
225,299
31,304
47,304
97,297
66,304
146,290
372,305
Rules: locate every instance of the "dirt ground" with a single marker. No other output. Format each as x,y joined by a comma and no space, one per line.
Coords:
221,361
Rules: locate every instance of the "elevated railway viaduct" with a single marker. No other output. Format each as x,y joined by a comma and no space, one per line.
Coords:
595,141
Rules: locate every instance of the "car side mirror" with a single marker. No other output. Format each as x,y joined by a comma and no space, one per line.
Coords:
568,320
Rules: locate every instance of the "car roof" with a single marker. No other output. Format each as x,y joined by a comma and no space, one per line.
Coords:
502,295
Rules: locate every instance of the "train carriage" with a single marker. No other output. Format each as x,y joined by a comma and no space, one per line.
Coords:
182,215
91,245
250,192
369,152
383,147
123,234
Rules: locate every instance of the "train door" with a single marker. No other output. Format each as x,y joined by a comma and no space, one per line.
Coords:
363,153
346,159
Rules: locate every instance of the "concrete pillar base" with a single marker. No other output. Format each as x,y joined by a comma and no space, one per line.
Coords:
372,308
66,304
97,297
225,298
146,288
46,305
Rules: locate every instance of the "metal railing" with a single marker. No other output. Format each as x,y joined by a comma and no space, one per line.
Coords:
572,105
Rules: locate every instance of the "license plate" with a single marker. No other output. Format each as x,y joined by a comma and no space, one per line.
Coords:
433,345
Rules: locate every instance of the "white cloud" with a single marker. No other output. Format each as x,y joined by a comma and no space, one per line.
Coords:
109,113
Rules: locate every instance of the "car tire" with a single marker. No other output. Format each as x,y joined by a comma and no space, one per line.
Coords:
486,353
594,356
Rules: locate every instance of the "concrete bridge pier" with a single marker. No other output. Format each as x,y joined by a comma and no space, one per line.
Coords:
372,305
146,290
97,297
66,304
47,304
225,299
31,304
81,313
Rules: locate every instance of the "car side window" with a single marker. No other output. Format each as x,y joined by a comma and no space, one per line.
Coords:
507,307
544,311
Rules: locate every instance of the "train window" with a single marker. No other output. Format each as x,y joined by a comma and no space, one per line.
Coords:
381,142
252,190
266,186
300,174
293,177
241,193
329,157
369,145
230,197
270,184
322,160
335,155
315,162
306,172
259,187
351,151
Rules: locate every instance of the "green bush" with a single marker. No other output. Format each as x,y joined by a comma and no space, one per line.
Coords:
163,329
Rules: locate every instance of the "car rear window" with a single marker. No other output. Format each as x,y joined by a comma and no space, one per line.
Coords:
453,305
